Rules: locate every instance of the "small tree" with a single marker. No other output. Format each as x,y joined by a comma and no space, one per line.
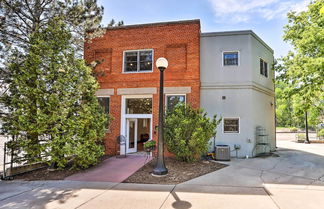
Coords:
303,68
188,132
52,108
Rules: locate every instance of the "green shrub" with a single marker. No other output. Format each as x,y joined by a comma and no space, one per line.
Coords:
320,133
188,132
149,144
301,136
293,129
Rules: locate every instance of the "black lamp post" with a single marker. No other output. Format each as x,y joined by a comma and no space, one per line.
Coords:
160,168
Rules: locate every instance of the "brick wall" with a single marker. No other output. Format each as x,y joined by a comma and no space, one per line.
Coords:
179,42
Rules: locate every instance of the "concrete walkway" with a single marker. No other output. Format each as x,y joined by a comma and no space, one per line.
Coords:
113,169
295,180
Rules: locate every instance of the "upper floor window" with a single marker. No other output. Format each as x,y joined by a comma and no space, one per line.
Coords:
104,103
230,58
263,68
138,61
173,100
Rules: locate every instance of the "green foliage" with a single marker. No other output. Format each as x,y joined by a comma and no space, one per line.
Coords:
320,133
53,111
113,23
301,136
293,129
188,132
289,111
303,69
149,144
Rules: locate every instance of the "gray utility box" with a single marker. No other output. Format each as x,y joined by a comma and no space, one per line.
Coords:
223,152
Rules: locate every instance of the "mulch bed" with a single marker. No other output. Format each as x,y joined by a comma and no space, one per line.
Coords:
178,172
47,174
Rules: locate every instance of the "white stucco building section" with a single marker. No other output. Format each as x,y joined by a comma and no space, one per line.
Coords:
238,91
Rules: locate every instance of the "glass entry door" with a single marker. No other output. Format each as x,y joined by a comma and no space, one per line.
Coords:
131,135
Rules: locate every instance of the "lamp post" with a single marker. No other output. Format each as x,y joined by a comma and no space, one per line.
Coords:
160,169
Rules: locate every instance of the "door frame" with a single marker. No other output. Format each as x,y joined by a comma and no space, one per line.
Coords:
124,117
130,150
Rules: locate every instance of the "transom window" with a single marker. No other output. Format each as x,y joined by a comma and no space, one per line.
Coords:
138,105
231,125
230,58
173,100
263,68
104,103
138,61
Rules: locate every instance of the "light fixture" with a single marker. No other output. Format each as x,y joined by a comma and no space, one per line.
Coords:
161,63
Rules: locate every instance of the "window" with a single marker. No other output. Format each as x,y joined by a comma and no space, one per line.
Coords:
139,106
230,58
263,68
138,61
173,100
231,125
104,102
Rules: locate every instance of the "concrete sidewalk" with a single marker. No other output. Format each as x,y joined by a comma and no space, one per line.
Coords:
295,180
73,194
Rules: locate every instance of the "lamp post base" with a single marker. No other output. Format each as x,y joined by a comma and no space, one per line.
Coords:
160,171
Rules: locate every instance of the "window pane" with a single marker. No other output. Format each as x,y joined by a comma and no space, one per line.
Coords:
230,58
261,66
173,100
130,61
231,125
145,60
146,66
104,102
266,69
139,106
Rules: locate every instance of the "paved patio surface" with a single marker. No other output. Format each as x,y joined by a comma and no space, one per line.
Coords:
295,180
112,169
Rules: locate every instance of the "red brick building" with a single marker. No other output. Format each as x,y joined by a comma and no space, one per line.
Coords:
129,79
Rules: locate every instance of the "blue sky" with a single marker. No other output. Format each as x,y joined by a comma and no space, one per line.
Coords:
265,17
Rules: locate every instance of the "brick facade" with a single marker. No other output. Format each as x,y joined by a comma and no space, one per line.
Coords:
179,42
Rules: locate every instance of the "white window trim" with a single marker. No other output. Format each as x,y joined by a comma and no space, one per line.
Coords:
137,50
166,100
267,67
238,58
239,125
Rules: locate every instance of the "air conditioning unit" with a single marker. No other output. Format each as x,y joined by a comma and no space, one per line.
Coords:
222,152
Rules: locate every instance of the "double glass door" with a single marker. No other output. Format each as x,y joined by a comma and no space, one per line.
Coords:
138,131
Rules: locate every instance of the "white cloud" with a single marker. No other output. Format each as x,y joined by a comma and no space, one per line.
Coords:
245,10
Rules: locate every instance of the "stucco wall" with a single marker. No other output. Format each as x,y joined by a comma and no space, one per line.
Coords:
249,95
212,69
236,104
258,50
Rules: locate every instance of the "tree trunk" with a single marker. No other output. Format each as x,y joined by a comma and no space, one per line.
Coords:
306,128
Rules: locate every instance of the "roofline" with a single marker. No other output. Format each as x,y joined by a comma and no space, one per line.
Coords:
153,24
235,33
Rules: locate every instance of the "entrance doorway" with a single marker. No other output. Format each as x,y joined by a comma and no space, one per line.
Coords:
138,131
136,121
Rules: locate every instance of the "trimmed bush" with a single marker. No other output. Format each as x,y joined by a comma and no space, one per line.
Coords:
188,132
293,129
320,133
